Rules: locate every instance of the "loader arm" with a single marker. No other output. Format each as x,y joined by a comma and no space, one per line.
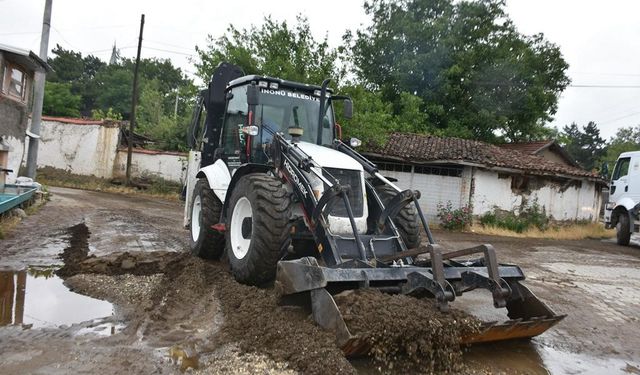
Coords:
356,262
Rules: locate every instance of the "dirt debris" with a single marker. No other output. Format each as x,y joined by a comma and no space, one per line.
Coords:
193,303
76,251
406,334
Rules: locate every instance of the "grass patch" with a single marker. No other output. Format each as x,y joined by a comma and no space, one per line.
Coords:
569,232
6,224
9,219
154,187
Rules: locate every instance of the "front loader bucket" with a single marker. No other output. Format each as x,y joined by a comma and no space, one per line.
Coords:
528,315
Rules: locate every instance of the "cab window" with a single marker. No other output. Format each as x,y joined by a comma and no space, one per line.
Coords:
235,118
622,168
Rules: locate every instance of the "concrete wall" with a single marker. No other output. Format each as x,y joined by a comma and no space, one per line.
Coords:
562,199
83,147
434,188
90,148
171,166
486,190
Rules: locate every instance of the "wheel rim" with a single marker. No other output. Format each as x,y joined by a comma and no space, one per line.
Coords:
196,211
240,241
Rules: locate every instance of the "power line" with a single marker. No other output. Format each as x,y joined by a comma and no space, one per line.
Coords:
619,118
63,38
169,51
606,86
610,74
21,33
168,44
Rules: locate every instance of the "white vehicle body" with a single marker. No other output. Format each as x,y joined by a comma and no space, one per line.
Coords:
218,176
624,192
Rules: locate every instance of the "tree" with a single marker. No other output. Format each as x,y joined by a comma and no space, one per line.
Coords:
273,49
626,139
476,75
585,146
80,72
59,101
168,131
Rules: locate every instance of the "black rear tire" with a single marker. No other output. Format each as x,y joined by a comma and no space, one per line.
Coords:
205,242
407,220
258,227
623,230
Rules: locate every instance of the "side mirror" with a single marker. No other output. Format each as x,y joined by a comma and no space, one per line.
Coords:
348,109
604,170
252,94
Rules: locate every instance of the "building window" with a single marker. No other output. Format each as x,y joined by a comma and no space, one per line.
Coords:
394,167
15,82
439,170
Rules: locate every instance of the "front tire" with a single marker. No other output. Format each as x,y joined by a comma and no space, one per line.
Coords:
258,227
406,221
623,230
205,242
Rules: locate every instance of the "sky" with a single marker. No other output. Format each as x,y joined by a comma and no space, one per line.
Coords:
600,40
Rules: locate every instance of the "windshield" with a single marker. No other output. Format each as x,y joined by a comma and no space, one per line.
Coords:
280,109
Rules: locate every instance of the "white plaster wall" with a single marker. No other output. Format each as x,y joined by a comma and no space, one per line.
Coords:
17,152
434,189
80,149
581,203
167,166
491,191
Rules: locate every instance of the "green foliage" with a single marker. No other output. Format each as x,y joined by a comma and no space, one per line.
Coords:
585,146
60,101
110,114
374,119
476,75
169,132
529,217
454,218
273,49
87,86
626,139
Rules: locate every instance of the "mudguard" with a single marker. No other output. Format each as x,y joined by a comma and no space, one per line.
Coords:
218,177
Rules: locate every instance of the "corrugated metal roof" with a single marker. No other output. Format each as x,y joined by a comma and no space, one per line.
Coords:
28,58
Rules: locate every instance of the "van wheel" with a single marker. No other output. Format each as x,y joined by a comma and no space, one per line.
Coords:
623,231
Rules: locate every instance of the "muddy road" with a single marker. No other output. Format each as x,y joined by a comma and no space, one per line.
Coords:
101,283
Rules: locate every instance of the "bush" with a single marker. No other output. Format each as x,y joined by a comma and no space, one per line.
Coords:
529,216
454,219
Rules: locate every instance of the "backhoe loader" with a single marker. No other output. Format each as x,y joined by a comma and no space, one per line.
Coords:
272,187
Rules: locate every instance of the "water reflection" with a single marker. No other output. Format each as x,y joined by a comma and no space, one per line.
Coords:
37,297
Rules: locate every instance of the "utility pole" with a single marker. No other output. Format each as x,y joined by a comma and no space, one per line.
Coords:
38,95
175,111
134,102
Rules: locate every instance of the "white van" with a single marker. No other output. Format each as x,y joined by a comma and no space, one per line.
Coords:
621,211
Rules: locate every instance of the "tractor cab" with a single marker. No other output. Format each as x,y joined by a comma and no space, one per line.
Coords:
241,122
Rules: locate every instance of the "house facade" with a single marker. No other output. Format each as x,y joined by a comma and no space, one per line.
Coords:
17,71
487,177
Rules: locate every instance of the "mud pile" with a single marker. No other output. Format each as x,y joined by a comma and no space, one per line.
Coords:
195,303
254,321
405,334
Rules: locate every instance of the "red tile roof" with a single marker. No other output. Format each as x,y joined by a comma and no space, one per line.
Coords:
79,121
528,147
536,146
424,148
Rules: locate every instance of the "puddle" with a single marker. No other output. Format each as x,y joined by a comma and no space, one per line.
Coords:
528,357
36,297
